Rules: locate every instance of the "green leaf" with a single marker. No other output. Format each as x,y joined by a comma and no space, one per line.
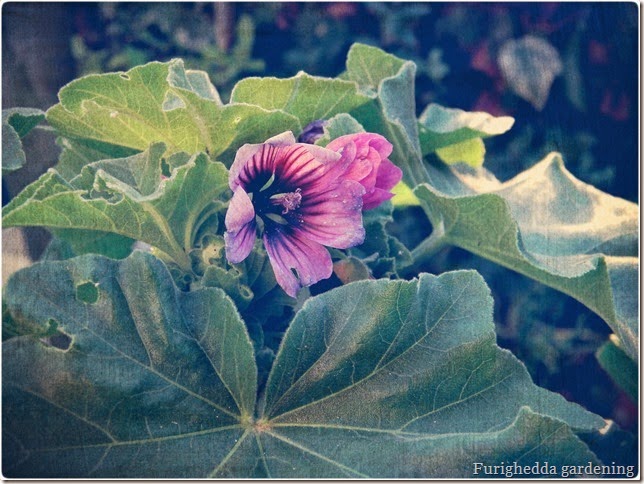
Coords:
339,125
373,379
159,102
619,366
22,120
369,66
306,97
404,196
76,154
441,127
549,226
107,197
382,253
375,372
16,123
246,282
392,112
156,382
470,152
141,172
94,242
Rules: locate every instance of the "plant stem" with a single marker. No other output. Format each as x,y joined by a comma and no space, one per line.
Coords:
424,251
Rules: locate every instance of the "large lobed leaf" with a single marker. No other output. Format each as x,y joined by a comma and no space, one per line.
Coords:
159,102
156,382
550,226
374,379
126,197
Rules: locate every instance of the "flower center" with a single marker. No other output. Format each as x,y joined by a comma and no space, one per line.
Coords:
290,201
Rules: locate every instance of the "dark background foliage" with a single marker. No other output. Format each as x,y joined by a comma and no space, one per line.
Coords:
589,114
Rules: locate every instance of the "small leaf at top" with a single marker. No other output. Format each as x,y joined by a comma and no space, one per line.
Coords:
369,66
339,125
304,96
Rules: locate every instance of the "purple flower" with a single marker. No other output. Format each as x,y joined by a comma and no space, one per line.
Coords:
312,131
305,200
367,155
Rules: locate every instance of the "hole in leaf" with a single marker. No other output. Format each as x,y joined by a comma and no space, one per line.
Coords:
245,292
87,293
123,75
56,338
60,341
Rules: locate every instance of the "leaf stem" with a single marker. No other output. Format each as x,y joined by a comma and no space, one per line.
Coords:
182,259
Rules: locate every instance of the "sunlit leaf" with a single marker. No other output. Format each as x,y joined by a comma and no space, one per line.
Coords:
470,152
306,97
550,226
404,196
441,127
107,197
159,102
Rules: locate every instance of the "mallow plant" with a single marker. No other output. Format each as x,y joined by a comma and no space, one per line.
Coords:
223,297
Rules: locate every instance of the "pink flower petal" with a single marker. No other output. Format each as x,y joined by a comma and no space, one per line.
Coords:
296,165
362,140
333,217
240,227
388,176
375,198
288,251
248,151
367,154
